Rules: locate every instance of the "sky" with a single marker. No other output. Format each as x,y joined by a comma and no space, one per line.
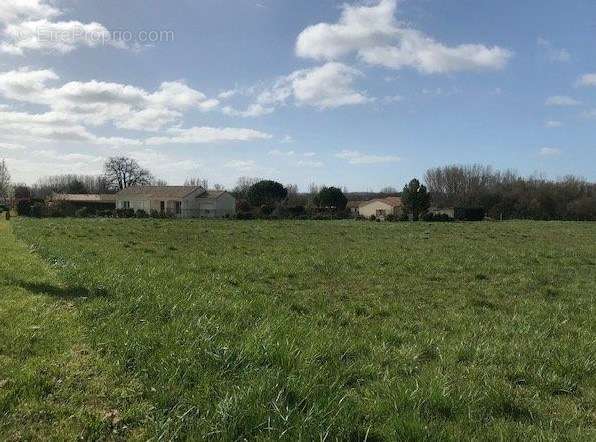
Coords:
358,94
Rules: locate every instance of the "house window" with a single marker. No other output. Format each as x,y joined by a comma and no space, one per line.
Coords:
126,204
162,206
381,212
178,207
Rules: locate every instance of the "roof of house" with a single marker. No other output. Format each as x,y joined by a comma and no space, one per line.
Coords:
84,198
354,204
393,201
159,192
212,194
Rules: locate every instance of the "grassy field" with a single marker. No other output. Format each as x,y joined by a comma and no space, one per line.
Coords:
160,329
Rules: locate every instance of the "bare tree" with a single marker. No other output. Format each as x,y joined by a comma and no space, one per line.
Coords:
218,187
123,172
5,185
459,185
199,182
243,185
389,190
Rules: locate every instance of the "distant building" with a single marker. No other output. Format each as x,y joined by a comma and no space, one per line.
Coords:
179,201
381,207
449,211
90,201
353,207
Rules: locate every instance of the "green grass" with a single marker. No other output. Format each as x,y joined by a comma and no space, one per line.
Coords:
298,330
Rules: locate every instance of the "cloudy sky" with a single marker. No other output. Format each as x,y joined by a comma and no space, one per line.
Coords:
361,94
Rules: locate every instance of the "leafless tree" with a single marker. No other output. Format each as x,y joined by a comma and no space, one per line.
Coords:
506,195
243,185
200,182
123,172
5,185
459,185
389,190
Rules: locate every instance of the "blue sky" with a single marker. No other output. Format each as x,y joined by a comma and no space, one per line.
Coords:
362,94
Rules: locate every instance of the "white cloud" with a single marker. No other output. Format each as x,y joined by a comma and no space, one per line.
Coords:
554,54
328,86
288,139
373,33
25,85
282,153
587,80
552,124
298,159
225,95
58,37
355,157
12,146
550,152
241,165
96,103
18,10
310,164
30,166
293,154
325,87
177,95
159,162
199,135
562,101
29,25
52,126
254,110
52,154
24,169
392,99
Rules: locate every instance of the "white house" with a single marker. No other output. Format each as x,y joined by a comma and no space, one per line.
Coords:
381,207
180,201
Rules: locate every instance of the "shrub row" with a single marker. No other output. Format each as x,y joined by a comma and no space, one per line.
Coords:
39,209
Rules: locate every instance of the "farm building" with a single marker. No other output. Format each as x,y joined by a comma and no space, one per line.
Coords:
90,201
180,201
381,207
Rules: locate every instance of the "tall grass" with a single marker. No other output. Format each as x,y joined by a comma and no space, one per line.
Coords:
332,330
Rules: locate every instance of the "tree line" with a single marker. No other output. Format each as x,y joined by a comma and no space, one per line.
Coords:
507,195
502,194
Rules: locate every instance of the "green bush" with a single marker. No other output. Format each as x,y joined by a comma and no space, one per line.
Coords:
154,214
83,212
141,214
244,215
37,210
125,213
267,209
24,207
437,218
